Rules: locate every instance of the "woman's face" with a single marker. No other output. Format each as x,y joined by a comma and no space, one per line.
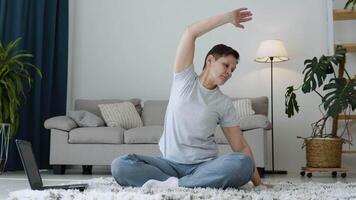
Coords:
222,68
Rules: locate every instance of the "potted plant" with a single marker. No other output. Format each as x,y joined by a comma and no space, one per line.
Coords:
13,71
338,96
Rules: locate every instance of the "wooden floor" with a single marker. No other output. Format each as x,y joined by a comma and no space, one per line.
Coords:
12,181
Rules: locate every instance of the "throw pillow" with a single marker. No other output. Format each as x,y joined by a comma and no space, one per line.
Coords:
120,114
86,119
64,123
243,107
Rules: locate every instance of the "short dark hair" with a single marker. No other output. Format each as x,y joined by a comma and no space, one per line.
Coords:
221,50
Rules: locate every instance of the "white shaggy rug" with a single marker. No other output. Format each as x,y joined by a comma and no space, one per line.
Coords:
107,188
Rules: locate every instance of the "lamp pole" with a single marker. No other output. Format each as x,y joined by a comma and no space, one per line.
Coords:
272,135
273,171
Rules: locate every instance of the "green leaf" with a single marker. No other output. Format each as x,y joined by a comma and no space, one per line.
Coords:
316,70
1,100
291,103
38,71
349,2
11,46
342,93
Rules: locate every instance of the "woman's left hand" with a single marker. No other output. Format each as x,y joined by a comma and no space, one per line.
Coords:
268,186
239,16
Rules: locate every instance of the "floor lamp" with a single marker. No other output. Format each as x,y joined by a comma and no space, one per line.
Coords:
272,51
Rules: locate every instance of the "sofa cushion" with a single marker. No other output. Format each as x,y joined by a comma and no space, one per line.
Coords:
153,112
246,123
97,135
86,119
92,105
143,135
254,121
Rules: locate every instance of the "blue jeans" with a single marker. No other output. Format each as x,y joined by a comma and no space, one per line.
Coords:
229,170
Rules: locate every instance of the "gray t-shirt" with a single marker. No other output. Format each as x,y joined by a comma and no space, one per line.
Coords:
192,116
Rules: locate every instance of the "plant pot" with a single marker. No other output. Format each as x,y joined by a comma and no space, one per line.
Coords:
323,152
4,145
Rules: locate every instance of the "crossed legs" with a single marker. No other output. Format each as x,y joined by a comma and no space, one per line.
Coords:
229,170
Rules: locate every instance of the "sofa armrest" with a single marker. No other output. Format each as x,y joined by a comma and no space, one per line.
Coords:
60,122
255,121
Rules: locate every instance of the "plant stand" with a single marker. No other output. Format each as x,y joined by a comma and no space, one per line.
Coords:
4,145
309,171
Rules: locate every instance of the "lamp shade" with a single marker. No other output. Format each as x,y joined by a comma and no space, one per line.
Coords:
271,49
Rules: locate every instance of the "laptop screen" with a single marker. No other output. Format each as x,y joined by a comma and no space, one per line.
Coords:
29,164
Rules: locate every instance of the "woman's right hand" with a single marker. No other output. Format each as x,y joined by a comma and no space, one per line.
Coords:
239,16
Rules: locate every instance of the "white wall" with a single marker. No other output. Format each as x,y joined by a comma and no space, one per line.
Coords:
125,48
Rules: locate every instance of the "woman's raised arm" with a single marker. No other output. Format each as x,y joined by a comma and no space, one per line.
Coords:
186,47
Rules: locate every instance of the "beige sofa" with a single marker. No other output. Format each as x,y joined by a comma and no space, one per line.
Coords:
88,146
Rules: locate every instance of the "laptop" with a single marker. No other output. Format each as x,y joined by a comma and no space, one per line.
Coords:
32,172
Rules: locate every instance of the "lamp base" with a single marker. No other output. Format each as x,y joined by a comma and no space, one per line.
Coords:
275,172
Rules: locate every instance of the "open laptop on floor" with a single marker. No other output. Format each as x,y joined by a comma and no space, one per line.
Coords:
32,172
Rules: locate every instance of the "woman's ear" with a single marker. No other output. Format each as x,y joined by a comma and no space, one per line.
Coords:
210,59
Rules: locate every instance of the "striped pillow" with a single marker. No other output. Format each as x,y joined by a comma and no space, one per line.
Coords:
120,115
243,107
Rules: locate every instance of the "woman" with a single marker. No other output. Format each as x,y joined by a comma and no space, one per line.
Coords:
196,106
